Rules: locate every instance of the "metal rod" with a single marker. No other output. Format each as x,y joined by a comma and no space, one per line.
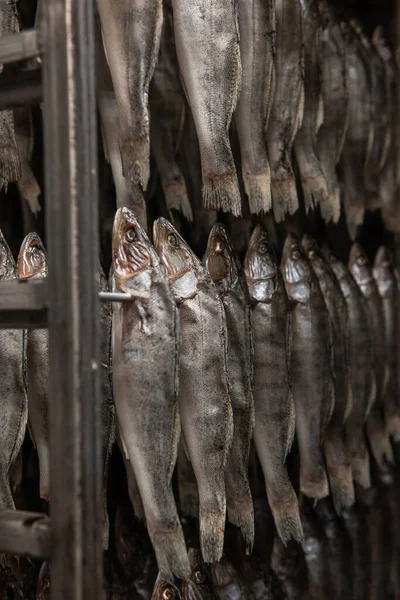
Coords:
19,46
24,533
23,304
22,88
115,297
73,247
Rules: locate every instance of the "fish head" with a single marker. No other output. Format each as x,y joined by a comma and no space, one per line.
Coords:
198,586
359,265
8,268
314,255
225,576
165,590
296,270
180,262
260,266
220,258
133,257
32,259
383,271
325,12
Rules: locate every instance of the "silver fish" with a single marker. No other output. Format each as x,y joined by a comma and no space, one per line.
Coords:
28,186
204,402
131,34
337,463
168,108
257,47
288,105
165,590
332,132
311,366
145,381
14,406
207,44
314,184
224,267
362,374
273,399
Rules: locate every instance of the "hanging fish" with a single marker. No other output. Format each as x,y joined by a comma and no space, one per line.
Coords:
204,401
133,488
207,44
227,583
198,586
187,485
287,108
27,185
337,463
273,400
224,267
131,32
145,381
311,366
257,47
164,590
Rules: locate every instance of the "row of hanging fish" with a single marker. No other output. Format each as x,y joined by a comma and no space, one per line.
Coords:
294,81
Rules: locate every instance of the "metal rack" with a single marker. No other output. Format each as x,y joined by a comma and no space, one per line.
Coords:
68,302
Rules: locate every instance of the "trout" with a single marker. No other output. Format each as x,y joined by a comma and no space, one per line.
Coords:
362,273
145,347
204,401
273,400
131,32
257,46
287,108
207,45
224,267
337,463
311,366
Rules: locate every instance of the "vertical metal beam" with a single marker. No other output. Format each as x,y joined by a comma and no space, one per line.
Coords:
72,235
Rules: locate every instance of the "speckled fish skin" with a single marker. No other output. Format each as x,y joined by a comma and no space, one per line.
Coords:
273,400
315,187
198,586
145,346
28,186
10,166
227,584
287,108
127,193
131,34
385,279
32,264
204,402
168,108
224,267
332,132
337,463
362,372
14,406
164,590
362,272
311,365
207,44
257,48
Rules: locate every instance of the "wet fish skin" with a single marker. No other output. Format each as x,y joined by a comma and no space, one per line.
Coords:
27,185
332,133
362,272
273,399
131,32
257,47
14,406
204,401
168,108
337,463
224,267
207,44
226,582
311,364
314,184
164,590
145,341
362,372
287,108
198,586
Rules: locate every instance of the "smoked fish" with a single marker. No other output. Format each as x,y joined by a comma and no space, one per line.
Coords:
198,586
165,590
27,185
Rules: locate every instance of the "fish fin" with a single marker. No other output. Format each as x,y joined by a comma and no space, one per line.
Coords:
135,156
339,472
315,188
29,189
176,198
171,554
10,164
291,424
349,398
241,514
174,442
313,477
287,518
379,441
284,196
221,192
258,189
212,528
320,114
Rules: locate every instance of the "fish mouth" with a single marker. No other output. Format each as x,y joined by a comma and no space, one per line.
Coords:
309,244
260,262
218,256
32,261
292,242
130,246
358,256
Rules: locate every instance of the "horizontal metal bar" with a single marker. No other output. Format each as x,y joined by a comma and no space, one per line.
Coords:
115,297
19,46
21,88
23,304
25,534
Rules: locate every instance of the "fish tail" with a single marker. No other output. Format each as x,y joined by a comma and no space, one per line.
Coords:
313,480
44,469
221,192
258,189
330,207
361,470
176,198
6,497
284,196
29,189
135,156
10,164
171,554
212,527
379,441
287,518
314,185
339,471
241,514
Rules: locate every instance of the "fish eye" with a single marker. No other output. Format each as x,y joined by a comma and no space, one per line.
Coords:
131,234
219,246
168,594
199,577
173,240
296,254
361,260
36,248
311,254
263,248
